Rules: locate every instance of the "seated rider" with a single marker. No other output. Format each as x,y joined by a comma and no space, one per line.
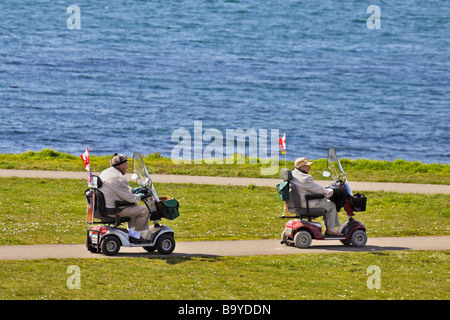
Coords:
306,185
116,188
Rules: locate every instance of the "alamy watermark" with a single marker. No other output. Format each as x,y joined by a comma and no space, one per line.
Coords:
74,281
374,21
215,146
74,21
374,280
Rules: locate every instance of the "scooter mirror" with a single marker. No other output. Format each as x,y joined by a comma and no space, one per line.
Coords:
326,174
134,176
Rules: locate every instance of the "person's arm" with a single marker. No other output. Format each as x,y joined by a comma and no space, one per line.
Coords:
124,192
313,187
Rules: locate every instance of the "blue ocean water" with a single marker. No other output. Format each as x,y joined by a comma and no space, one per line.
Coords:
136,71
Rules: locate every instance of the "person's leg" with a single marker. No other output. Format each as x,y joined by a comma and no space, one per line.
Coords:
139,217
331,218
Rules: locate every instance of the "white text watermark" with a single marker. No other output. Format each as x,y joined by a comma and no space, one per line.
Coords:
74,281
213,146
374,21
74,21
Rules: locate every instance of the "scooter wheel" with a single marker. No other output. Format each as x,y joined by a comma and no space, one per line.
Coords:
89,246
283,237
110,246
165,244
359,238
302,239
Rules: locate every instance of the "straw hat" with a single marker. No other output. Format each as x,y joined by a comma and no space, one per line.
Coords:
299,162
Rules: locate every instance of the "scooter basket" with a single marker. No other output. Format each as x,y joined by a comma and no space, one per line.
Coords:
358,202
168,208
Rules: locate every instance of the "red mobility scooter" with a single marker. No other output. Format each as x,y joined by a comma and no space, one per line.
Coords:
302,230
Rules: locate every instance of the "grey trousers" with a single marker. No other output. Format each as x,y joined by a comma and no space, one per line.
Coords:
139,217
331,218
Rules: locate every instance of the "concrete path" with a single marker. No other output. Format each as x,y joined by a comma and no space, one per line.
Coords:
227,248
259,182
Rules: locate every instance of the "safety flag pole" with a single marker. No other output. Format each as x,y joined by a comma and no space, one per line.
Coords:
87,164
282,141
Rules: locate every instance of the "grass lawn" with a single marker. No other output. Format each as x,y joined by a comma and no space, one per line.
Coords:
403,275
356,170
44,211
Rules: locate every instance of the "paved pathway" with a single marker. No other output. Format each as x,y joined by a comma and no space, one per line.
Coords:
260,182
227,248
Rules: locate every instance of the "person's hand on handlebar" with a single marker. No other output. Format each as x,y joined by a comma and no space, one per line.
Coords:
136,189
143,190
147,194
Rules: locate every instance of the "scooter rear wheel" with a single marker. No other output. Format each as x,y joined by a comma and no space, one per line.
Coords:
110,246
89,245
302,239
283,237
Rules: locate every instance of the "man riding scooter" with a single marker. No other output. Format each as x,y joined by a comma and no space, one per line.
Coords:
305,185
116,188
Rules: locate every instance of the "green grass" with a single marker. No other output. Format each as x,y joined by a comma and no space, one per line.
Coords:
52,211
356,170
44,211
404,275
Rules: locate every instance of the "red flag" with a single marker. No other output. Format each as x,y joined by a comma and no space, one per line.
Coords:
87,164
85,158
283,143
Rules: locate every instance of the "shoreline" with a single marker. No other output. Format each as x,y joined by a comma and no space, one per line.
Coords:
51,152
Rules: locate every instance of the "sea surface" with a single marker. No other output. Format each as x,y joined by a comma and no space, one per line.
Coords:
123,76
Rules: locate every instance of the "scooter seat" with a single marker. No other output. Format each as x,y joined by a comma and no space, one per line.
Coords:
311,213
109,219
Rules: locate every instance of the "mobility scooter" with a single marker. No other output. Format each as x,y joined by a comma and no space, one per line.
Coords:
300,231
108,237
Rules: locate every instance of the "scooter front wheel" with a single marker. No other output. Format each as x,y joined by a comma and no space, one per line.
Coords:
302,239
359,238
165,244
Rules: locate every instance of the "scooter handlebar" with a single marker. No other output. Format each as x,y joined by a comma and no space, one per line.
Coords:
148,195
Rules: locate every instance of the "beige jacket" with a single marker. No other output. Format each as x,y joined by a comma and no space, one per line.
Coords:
115,187
305,185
